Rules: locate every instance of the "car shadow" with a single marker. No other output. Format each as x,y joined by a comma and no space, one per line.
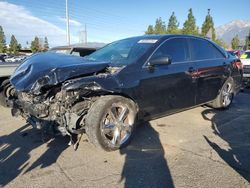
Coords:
145,164
16,148
233,127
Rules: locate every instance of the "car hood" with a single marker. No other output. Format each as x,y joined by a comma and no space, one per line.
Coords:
46,69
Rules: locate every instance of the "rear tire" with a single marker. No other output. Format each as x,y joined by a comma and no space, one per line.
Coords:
225,97
110,122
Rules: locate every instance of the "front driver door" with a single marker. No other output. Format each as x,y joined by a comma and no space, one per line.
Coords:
168,88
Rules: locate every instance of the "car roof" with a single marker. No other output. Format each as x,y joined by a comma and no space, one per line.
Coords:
166,36
169,35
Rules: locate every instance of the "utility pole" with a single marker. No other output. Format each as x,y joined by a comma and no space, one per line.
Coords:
67,23
85,34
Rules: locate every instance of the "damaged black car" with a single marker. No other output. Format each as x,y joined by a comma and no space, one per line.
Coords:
107,92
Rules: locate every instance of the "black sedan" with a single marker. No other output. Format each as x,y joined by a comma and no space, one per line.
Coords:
104,94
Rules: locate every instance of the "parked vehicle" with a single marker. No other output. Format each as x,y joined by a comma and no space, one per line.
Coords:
74,50
236,53
6,90
245,59
14,59
105,94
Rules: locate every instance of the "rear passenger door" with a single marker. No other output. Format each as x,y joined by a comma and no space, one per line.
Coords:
210,65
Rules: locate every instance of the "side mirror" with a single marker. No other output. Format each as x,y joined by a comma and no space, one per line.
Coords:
160,61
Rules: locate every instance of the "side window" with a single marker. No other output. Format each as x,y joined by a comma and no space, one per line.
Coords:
202,49
218,53
176,48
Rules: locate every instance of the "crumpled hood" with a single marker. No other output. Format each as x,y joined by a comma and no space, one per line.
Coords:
50,69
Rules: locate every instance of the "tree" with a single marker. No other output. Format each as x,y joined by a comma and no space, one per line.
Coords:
46,44
173,25
221,43
150,30
160,27
247,42
2,41
14,47
235,42
35,45
189,26
207,29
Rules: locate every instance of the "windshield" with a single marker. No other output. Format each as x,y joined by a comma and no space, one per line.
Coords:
123,52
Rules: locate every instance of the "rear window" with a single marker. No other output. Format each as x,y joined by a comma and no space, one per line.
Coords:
202,50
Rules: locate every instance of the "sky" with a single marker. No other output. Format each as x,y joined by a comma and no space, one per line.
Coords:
106,20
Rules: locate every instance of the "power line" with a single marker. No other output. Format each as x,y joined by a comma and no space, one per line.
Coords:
93,13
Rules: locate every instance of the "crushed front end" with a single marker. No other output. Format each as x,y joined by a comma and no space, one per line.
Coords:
56,110
57,99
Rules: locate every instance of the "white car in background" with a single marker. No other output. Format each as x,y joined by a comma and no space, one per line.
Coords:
245,59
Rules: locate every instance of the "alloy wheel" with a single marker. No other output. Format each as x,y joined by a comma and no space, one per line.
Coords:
227,95
117,124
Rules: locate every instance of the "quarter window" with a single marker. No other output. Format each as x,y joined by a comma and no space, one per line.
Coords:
176,49
202,49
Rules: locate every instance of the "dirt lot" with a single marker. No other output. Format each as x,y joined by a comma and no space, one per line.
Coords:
201,147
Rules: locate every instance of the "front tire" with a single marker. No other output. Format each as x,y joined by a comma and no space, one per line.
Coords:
110,122
225,97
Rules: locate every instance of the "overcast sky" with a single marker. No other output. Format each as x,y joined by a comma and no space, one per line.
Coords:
106,20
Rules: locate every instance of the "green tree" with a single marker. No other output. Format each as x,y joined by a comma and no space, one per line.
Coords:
235,42
46,44
14,47
173,25
207,28
189,26
2,41
150,30
160,26
247,42
221,43
35,45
